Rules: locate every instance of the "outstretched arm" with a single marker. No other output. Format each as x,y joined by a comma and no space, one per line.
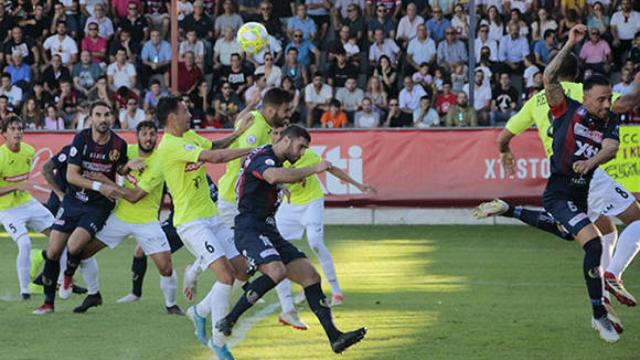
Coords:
291,175
346,178
552,88
223,155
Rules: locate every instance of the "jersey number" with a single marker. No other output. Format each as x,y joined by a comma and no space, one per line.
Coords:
209,247
622,193
13,228
196,183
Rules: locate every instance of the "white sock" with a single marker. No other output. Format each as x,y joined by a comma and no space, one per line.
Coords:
63,266
168,284
23,263
220,294
315,237
89,269
627,248
194,269
204,306
284,295
608,244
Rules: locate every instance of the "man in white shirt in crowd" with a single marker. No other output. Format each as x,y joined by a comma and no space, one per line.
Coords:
224,47
409,98
350,96
105,25
625,23
481,97
483,40
317,96
421,49
61,44
425,116
408,25
131,116
367,117
12,92
122,72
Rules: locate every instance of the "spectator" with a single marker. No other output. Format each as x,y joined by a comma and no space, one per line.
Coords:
353,51
41,95
634,54
288,85
295,70
383,47
570,20
32,115
437,25
102,92
26,47
105,26
339,44
624,25
238,76
201,99
272,72
596,53
367,117
120,99
12,92
318,11
255,93
134,23
496,26
274,48
460,22
185,8
85,73
513,49
131,116
195,46
425,116
317,96
81,119
386,73
152,115
53,120
340,70
536,86
37,25
461,114
598,18
54,72
350,96
624,87
249,9
378,96
226,105
120,8
410,95
503,102
125,42
483,40
334,118
157,16
223,49
272,23
523,26
530,71
154,94
95,45
458,78
545,50
451,51
228,19
188,73
421,49
305,50
5,107
156,58
408,25
481,97
522,6
542,24
19,71
199,22
61,44
341,7
88,7
446,6
66,100
396,117
59,16
383,22
487,67
121,72
423,77
356,23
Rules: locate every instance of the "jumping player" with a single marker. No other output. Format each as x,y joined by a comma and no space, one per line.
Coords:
258,239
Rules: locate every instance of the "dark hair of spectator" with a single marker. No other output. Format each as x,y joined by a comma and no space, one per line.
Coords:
595,80
275,97
549,32
167,105
295,131
61,22
154,82
637,35
335,103
6,75
11,119
146,125
236,55
498,19
317,74
425,97
4,97
95,104
292,49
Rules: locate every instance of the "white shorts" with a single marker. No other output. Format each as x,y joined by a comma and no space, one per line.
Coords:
31,215
149,236
208,240
227,212
606,196
292,220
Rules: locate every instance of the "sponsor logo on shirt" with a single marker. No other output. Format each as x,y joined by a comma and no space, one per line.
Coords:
581,130
97,167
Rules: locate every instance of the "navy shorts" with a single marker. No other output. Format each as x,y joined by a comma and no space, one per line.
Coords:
567,205
175,243
53,203
261,243
74,214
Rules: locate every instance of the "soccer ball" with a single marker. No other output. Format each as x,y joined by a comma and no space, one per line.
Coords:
253,37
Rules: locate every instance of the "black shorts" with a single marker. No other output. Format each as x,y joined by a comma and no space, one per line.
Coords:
175,243
261,243
567,204
74,214
53,203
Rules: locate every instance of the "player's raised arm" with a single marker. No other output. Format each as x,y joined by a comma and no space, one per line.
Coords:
244,122
552,88
289,175
223,155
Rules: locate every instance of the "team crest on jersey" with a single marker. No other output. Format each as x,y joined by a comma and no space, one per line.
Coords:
251,139
582,111
189,147
62,158
73,151
270,162
114,155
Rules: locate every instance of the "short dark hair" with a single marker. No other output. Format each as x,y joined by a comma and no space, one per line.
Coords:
335,103
296,131
276,97
316,74
11,119
595,80
95,104
146,124
6,75
549,32
166,106
569,68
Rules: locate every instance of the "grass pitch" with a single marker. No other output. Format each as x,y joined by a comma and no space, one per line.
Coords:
424,292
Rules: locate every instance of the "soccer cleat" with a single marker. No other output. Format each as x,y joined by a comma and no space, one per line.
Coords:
66,289
616,287
78,289
92,300
222,352
25,296
344,341
43,309
605,329
189,284
337,299
613,317
491,208
129,298
174,310
225,325
199,323
291,319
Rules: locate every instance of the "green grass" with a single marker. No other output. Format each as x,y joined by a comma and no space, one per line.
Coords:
424,292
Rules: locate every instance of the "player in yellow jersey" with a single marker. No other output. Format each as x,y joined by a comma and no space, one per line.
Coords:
19,211
304,211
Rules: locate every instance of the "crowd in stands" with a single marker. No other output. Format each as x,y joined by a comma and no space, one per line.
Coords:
347,63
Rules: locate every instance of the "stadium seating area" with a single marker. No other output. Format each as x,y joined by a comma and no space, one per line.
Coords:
349,63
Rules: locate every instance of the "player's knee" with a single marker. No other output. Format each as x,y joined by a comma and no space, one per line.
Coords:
138,252
165,269
276,271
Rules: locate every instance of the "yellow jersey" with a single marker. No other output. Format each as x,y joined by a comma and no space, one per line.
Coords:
15,168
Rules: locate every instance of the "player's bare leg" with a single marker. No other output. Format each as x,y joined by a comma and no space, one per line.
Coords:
57,243
626,250
168,281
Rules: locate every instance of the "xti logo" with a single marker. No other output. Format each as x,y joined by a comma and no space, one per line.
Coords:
352,165
585,149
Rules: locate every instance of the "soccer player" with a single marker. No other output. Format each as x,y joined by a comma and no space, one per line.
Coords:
585,136
181,156
258,239
86,204
304,210
18,209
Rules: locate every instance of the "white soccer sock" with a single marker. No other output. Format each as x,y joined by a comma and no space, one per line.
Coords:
284,295
168,284
608,244
63,266
23,263
315,237
204,306
219,300
89,269
194,269
628,247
